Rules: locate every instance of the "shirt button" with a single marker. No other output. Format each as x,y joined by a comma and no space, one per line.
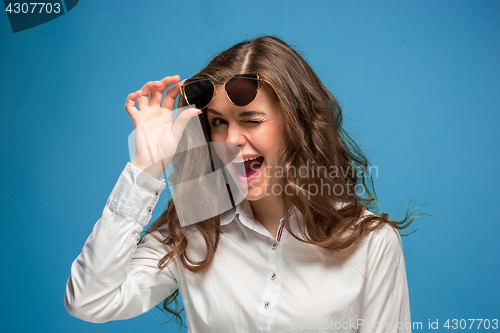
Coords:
273,276
266,305
157,193
150,210
275,245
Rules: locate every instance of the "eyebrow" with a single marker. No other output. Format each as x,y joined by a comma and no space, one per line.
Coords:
241,115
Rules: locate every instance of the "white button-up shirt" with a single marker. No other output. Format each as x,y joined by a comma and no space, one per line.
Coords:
256,283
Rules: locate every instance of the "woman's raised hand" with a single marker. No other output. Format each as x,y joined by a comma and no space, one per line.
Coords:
156,135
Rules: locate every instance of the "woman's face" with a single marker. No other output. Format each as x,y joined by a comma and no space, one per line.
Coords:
252,136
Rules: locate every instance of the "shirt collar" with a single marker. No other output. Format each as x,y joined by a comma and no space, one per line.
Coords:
242,209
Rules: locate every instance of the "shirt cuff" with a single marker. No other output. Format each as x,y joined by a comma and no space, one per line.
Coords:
135,194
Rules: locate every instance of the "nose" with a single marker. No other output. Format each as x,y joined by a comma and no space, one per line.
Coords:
235,137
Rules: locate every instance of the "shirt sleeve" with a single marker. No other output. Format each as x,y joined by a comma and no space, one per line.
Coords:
386,304
113,277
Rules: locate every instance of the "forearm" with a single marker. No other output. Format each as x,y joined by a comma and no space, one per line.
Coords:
102,286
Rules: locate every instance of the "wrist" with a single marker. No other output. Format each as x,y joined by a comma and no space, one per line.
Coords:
154,170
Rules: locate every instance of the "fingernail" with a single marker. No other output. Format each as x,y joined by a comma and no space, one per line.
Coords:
157,81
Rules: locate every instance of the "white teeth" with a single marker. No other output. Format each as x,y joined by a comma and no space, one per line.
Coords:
247,159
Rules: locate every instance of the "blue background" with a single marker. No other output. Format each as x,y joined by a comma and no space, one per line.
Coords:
419,83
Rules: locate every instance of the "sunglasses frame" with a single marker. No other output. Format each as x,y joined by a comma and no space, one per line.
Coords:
237,76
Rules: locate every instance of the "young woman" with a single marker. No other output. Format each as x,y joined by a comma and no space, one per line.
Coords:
297,249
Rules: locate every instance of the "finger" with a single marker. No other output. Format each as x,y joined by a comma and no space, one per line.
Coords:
156,96
146,90
165,82
182,120
171,95
130,102
142,101
169,80
150,86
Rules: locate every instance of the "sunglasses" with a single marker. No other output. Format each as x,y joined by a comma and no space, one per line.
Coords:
241,90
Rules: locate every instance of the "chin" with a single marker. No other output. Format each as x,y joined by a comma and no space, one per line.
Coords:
255,194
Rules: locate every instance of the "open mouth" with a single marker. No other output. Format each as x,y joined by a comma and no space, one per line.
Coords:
249,166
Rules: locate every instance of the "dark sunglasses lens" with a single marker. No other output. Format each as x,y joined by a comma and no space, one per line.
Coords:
199,93
241,91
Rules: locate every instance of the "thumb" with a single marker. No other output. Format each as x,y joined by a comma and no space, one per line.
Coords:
182,120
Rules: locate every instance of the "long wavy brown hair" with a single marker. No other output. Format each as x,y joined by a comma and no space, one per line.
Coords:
313,139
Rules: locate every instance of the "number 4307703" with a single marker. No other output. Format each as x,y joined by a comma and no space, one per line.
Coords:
31,7
471,324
